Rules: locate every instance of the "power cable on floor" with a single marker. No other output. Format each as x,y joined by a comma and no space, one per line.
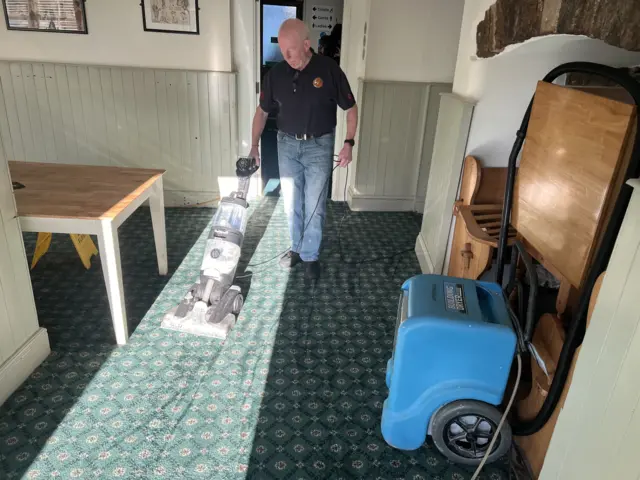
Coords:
346,215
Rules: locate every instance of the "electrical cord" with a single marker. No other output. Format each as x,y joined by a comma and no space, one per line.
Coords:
305,228
346,214
502,420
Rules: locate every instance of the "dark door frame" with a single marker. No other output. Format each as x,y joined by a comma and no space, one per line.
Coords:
299,4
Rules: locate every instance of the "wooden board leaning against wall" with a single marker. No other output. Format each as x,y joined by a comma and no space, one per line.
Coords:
573,162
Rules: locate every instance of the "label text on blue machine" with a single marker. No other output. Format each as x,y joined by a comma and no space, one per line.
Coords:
454,297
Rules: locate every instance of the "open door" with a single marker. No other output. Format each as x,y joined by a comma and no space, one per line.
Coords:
272,14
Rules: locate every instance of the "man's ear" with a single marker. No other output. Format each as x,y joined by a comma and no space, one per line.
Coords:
307,45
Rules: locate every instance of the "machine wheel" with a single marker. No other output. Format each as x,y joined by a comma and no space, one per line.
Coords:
238,302
462,431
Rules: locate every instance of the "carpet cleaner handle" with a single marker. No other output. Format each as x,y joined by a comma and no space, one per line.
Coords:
245,167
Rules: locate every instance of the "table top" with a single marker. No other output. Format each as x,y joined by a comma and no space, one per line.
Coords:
90,192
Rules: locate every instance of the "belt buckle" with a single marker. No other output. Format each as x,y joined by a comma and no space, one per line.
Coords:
302,137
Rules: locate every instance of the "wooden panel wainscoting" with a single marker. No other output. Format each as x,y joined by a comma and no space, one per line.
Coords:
181,121
395,144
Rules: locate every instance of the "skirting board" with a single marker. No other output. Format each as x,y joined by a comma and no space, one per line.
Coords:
426,265
226,185
17,369
176,198
369,203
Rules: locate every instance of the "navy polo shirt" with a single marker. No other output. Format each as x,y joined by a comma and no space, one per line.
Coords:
306,100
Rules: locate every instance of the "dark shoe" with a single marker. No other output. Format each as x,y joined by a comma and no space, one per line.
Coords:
290,259
312,270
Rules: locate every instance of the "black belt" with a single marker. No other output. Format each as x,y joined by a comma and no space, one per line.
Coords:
306,136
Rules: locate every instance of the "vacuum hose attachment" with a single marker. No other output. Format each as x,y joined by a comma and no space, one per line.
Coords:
576,330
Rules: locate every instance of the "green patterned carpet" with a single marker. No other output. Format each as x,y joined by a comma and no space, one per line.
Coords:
295,392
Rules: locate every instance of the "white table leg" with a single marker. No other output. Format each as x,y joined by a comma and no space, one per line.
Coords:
156,204
112,271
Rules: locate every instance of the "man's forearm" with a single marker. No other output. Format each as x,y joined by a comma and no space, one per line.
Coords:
259,121
352,121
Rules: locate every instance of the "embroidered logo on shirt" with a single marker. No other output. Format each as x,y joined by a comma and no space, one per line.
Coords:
317,82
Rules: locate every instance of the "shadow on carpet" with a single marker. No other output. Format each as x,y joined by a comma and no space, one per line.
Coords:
322,403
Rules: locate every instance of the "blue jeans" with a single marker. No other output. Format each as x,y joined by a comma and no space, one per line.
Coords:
305,168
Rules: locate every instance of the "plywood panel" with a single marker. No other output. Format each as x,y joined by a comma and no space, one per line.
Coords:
574,143
181,121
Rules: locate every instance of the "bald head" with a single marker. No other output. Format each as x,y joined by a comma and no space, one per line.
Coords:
293,39
294,27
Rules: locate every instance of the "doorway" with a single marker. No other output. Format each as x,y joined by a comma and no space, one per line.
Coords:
272,14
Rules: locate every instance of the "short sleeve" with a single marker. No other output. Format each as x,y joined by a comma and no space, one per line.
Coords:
267,102
345,95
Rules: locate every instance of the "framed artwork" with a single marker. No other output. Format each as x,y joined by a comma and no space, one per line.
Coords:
59,16
171,16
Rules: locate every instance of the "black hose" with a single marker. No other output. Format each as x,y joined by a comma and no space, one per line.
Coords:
521,312
533,292
576,330
508,194
512,272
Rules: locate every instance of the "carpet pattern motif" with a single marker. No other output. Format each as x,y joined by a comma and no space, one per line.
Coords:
295,392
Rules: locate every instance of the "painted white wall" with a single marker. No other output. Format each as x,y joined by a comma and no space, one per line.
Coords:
315,32
503,85
116,37
353,58
244,61
594,437
414,40
23,344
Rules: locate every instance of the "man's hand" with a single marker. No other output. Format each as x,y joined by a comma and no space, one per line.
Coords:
257,127
345,156
255,153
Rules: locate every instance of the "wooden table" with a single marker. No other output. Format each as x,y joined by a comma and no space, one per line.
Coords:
94,200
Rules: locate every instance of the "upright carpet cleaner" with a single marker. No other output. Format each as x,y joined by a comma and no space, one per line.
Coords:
211,305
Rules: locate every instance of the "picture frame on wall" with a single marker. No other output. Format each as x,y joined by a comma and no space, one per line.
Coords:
60,16
171,16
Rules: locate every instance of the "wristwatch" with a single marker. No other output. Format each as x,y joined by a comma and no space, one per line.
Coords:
350,141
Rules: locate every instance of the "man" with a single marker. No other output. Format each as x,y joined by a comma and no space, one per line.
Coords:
306,89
